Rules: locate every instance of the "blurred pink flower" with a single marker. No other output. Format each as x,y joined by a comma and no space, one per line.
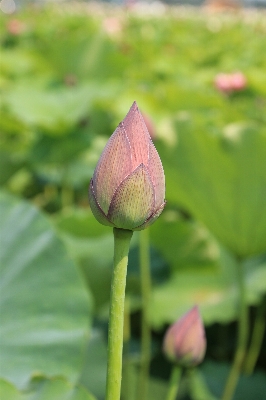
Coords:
228,83
238,81
112,26
130,3
222,82
15,27
184,341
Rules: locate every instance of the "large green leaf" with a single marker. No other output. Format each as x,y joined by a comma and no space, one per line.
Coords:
93,374
92,246
45,389
183,242
213,287
248,388
45,308
53,110
220,177
8,391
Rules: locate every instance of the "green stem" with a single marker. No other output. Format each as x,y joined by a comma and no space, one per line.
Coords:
174,383
198,388
145,278
122,239
256,339
243,330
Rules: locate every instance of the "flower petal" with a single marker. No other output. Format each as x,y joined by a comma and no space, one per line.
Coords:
133,201
112,168
138,136
151,219
157,175
96,209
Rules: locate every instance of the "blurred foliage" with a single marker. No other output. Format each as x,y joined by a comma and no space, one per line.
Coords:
45,389
68,76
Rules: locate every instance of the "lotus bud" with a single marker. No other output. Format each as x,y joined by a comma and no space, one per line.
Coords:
185,342
128,186
229,83
223,83
238,81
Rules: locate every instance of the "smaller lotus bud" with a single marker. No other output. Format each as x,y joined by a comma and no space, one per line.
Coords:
112,26
184,341
15,27
223,83
238,81
228,83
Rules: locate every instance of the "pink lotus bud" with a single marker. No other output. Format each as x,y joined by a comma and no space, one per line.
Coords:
112,26
238,81
15,27
128,187
223,82
229,83
185,342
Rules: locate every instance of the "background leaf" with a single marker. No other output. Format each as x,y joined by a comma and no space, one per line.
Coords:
45,308
220,178
249,387
45,389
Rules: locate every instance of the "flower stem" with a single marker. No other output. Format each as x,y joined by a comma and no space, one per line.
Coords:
198,388
145,328
122,239
243,330
174,383
256,339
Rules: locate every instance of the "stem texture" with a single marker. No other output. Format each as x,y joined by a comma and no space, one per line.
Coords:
174,383
243,329
256,339
122,239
